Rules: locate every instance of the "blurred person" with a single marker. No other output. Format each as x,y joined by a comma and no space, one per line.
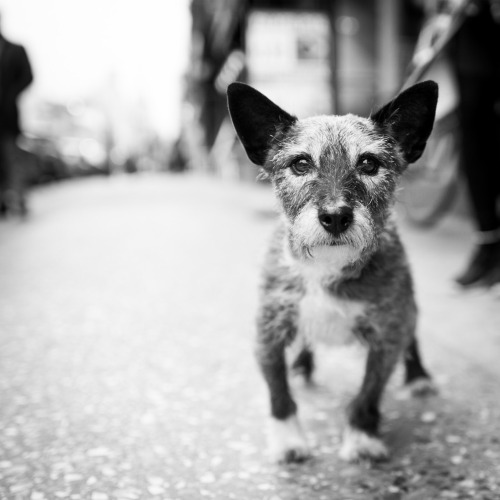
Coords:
476,57
474,52
177,161
15,76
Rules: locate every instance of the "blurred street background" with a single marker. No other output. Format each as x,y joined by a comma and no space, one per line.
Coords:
128,290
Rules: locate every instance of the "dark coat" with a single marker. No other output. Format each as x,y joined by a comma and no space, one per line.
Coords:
15,76
476,47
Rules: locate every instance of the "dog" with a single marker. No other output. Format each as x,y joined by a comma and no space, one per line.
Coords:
336,269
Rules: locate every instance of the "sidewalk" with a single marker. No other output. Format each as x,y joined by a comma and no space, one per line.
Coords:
127,372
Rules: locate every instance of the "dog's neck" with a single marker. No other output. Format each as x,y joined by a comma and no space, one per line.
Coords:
325,264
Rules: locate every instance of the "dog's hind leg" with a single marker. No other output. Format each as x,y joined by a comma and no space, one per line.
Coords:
360,439
417,379
287,440
304,364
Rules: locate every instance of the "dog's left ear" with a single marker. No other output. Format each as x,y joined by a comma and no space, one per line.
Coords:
409,118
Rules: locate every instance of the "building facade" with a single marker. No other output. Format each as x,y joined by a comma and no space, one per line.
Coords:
310,56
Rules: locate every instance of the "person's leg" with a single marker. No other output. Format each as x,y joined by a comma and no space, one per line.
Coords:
3,179
481,162
481,168
15,194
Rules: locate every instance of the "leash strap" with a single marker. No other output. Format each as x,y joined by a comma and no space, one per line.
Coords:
458,16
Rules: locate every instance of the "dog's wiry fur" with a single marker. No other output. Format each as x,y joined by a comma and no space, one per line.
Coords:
336,270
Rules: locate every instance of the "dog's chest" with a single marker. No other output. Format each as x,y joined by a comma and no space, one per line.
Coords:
324,317
327,319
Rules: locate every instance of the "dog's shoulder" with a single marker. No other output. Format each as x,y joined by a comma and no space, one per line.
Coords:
384,276
278,271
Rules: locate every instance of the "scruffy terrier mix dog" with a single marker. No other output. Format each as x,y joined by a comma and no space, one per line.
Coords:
336,268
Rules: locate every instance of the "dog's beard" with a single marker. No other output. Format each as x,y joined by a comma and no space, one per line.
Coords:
309,240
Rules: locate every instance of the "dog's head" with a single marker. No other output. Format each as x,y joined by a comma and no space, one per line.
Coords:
335,176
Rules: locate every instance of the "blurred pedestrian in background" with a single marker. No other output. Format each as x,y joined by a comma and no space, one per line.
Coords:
15,76
471,29
476,56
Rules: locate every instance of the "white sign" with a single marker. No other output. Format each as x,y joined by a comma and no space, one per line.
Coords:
289,59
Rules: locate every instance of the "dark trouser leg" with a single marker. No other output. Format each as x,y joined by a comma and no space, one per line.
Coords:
480,124
14,195
4,176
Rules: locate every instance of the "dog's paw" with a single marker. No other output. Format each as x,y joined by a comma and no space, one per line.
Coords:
358,445
287,441
419,388
422,387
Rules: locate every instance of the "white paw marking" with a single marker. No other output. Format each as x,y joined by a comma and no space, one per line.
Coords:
287,441
357,445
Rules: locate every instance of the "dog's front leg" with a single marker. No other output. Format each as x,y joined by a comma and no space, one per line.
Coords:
287,440
360,438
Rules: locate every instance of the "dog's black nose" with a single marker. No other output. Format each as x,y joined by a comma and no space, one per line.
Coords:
336,221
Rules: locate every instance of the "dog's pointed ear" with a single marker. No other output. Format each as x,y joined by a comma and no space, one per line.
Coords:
257,120
409,118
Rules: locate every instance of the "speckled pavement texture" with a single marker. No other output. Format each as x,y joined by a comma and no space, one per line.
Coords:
127,370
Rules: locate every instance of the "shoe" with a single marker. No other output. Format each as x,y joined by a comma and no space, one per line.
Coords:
485,260
492,278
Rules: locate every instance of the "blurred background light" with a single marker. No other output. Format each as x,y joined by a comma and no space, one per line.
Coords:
125,58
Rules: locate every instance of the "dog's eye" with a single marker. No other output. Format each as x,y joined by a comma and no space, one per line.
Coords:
300,166
369,165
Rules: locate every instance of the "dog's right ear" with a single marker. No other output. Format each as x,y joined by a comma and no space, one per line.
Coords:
409,118
257,120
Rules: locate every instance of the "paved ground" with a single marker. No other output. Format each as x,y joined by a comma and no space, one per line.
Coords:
126,368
